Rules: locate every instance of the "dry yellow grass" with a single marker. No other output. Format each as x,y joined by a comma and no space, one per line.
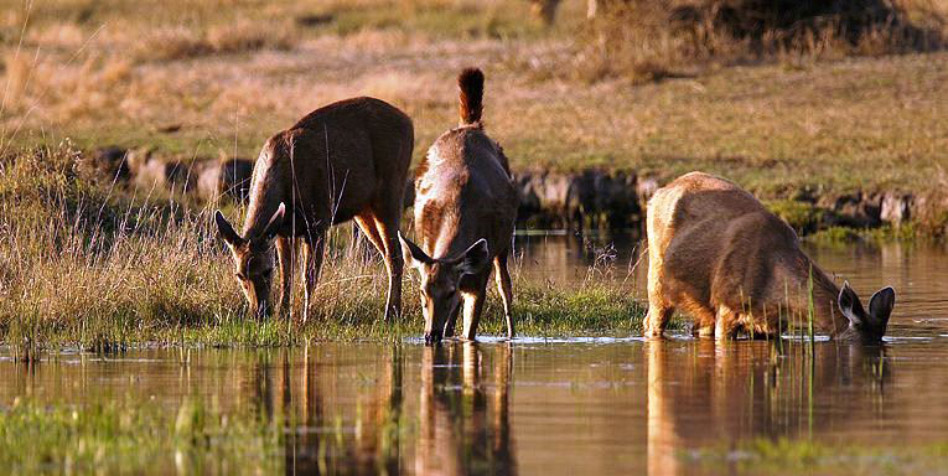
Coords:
850,123
646,40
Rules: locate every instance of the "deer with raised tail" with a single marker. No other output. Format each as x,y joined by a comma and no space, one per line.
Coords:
465,209
718,254
348,160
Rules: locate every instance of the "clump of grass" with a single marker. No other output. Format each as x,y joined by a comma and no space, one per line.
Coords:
81,259
123,437
245,37
836,235
839,235
803,217
592,308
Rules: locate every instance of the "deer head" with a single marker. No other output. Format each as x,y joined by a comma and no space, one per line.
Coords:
253,259
440,278
868,326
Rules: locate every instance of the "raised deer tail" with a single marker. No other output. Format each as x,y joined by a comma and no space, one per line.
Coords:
471,105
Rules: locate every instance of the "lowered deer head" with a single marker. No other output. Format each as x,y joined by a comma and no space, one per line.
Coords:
440,279
865,326
253,260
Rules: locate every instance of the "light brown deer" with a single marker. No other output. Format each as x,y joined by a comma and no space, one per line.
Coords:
465,208
348,160
718,254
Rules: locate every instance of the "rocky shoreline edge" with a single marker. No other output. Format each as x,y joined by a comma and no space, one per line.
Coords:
593,198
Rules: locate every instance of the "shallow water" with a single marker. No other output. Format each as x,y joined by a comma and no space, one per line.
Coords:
583,405
919,273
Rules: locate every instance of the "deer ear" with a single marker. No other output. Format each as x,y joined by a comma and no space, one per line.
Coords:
475,258
226,231
273,226
412,254
850,305
880,308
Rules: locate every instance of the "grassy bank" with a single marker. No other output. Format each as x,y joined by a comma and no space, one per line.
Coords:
89,264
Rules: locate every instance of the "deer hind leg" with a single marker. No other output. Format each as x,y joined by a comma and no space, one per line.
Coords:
387,231
312,262
368,224
702,316
659,309
656,318
504,286
285,254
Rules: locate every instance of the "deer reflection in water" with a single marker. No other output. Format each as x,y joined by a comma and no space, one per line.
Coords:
324,430
460,426
464,420
744,390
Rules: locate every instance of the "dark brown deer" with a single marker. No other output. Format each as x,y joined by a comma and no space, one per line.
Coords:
348,160
465,208
717,253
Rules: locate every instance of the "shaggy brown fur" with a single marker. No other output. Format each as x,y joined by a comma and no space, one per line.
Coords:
348,160
718,254
465,208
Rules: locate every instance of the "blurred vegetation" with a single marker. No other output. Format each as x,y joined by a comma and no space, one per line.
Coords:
803,217
649,40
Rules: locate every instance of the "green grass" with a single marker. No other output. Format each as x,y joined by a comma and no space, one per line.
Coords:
130,437
842,236
803,217
786,456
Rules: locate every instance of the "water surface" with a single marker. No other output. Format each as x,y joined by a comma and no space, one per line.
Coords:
918,272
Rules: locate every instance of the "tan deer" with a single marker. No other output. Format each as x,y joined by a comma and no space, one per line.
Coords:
718,254
348,160
465,208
